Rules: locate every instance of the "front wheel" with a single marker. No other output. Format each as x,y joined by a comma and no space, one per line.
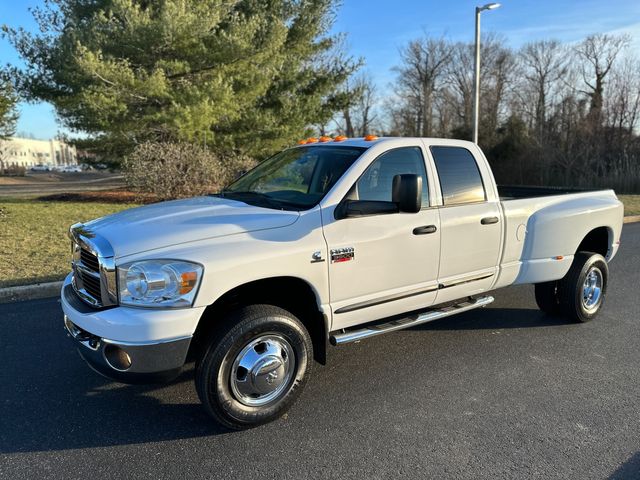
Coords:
582,290
255,367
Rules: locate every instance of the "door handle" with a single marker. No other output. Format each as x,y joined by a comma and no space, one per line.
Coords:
425,230
489,220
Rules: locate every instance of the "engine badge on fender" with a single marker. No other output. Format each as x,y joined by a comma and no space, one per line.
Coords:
345,254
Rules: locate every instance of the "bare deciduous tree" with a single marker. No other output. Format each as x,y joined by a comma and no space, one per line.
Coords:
420,77
460,78
597,54
359,115
544,64
545,114
622,104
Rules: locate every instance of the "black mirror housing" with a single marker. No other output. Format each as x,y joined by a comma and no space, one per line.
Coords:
407,192
364,208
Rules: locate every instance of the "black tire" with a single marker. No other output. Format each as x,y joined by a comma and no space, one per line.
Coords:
547,297
272,328
572,287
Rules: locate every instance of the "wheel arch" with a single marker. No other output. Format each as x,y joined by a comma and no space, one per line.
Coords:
291,293
598,240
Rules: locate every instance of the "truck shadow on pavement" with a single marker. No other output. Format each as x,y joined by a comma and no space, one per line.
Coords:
52,401
492,318
628,470
89,411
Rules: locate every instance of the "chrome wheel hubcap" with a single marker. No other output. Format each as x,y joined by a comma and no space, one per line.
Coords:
592,290
262,370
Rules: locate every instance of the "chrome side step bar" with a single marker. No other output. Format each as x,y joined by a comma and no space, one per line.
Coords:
348,336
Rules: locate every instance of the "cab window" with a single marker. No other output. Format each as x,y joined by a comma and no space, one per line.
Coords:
460,179
376,182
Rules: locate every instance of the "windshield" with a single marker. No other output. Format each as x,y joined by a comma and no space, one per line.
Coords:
297,178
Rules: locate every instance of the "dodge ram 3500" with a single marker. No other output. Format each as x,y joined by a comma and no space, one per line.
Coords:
329,242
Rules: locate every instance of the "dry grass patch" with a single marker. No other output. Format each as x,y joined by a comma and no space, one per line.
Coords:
631,204
34,246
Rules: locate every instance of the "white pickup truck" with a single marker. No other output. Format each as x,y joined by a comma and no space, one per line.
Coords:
332,241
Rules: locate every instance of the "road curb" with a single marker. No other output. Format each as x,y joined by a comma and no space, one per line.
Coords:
52,289
30,292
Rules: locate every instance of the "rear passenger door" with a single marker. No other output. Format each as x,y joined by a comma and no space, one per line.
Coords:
470,225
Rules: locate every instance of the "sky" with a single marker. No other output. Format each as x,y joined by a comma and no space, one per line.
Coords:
376,29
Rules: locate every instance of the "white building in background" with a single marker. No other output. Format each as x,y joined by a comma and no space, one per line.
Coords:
27,152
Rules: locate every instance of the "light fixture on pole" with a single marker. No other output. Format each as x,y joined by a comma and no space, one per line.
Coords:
476,87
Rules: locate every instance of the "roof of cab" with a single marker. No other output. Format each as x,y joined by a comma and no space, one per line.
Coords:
362,142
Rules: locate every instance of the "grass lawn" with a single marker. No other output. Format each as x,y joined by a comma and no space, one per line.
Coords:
34,246
631,204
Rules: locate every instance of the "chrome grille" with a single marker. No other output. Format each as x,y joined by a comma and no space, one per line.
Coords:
90,274
93,268
89,260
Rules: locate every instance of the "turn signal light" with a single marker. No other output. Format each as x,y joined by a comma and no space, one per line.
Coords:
187,282
370,138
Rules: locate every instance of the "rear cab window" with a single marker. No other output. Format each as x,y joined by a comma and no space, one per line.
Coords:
459,175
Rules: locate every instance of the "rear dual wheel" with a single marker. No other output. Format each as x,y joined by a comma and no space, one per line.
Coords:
580,294
547,297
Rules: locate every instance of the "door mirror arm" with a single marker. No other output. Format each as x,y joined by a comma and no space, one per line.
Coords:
363,208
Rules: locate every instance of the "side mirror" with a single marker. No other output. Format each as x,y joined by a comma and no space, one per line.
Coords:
406,192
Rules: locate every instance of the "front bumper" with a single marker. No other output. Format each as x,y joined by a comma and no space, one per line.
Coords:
130,363
148,358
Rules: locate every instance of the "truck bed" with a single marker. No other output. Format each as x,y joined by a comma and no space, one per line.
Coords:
517,192
544,227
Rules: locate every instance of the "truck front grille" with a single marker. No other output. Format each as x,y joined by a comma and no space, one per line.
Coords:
90,275
86,271
93,268
89,260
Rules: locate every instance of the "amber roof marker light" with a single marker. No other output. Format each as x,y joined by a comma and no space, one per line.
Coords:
325,139
340,138
312,140
370,138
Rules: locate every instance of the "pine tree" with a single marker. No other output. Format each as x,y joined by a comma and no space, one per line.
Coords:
248,75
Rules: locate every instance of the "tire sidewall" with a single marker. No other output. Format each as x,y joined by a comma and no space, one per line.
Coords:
595,260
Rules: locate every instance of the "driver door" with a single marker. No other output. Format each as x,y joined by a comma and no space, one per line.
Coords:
385,264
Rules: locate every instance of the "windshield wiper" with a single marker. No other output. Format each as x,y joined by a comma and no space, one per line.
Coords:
259,197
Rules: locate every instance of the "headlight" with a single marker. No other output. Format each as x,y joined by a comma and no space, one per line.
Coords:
158,283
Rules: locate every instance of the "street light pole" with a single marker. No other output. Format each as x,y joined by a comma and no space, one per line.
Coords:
476,73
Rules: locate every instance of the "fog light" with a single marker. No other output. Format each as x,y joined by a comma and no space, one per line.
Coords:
117,358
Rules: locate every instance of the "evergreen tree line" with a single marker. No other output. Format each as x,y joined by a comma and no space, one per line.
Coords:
244,77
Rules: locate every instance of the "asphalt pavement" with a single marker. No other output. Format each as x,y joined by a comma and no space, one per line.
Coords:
36,185
502,392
